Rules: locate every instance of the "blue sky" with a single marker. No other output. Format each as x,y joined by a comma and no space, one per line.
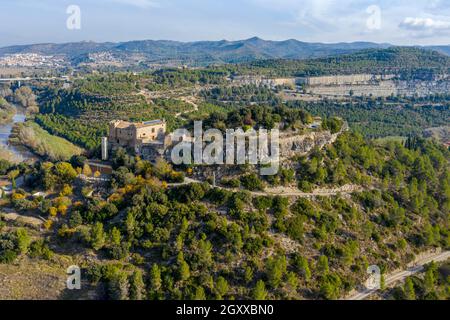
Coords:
403,22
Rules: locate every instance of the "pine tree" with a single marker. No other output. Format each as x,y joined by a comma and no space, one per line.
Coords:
115,237
12,175
430,277
410,293
155,278
119,286
184,271
98,236
221,287
259,292
137,286
322,265
75,219
382,282
276,268
248,274
303,267
23,240
200,294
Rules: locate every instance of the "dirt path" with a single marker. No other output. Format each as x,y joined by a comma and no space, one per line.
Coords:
293,192
188,100
28,220
401,275
289,191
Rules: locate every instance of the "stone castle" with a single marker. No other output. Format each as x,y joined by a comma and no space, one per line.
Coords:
147,139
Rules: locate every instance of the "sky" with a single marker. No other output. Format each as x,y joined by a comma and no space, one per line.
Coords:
401,22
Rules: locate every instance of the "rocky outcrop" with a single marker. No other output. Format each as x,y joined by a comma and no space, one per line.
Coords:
384,88
300,145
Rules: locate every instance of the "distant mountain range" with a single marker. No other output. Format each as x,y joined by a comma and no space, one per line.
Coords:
200,53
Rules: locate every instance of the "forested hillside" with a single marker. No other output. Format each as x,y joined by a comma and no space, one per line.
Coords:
154,240
408,62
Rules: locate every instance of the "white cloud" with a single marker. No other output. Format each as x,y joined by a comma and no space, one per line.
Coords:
424,24
144,4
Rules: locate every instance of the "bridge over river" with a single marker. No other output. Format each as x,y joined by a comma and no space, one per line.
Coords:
33,79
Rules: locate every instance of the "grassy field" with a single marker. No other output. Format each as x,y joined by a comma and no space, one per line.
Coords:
41,142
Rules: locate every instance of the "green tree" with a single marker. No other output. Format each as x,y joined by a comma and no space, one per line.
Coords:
115,237
275,269
184,270
430,277
65,172
155,278
12,175
200,294
119,286
137,286
248,274
302,266
382,282
322,265
408,289
330,286
23,240
98,236
292,281
259,292
221,287
75,219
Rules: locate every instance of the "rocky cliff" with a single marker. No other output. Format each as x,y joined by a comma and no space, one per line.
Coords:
299,145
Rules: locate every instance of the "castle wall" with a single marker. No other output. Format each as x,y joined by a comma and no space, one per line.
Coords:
146,138
120,136
150,133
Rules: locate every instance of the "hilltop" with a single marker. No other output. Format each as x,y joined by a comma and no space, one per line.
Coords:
197,53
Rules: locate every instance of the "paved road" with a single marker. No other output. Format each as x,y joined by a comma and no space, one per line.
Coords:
402,275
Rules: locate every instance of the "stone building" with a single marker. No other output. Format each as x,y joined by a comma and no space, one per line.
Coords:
147,139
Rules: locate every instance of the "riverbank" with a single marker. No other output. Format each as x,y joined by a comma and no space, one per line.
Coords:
7,155
7,112
14,154
30,135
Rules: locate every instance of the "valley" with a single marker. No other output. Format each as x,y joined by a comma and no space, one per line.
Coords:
363,175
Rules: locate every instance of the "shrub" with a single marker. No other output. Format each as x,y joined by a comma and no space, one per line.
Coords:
252,182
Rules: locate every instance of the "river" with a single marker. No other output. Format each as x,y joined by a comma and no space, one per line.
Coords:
20,154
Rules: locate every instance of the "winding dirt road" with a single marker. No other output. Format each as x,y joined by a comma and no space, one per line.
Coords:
399,276
288,192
